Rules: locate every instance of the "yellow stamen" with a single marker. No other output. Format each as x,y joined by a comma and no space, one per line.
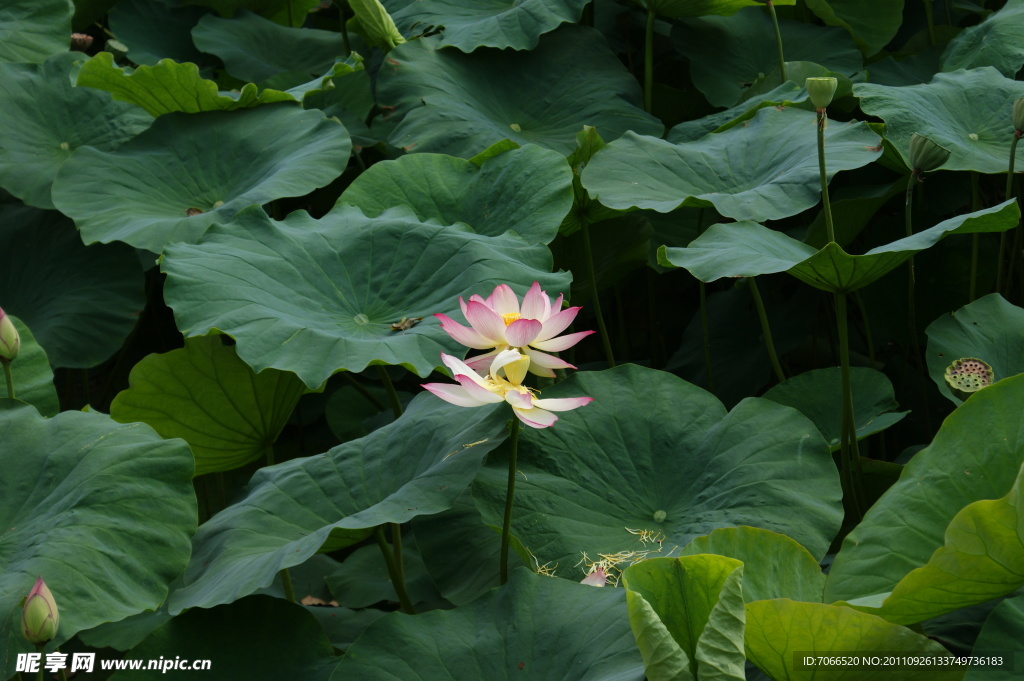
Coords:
510,317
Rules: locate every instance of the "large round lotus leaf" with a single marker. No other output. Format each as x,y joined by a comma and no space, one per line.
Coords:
255,49
817,394
698,8
284,12
452,103
872,23
417,465
779,629
157,29
1003,630
788,94
318,296
968,112
990,329
747,249
654,462
169,86
766,169
33,146
32,30
534,627
80,301
202,393
96,508
363,579
190,170
998,41
33,378
527,190
744,47
976,454
257,638
495,23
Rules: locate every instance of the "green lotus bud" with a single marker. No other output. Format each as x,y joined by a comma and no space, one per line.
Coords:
926,155
39,618
1018,115
821,91
968,375
10,341
375,24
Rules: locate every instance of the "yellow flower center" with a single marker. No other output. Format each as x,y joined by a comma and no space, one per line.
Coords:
510,317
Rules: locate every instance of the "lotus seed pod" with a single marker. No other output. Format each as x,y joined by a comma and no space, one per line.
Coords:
10,341
39,617
821,91
80,42
968,375
926,155
1018,115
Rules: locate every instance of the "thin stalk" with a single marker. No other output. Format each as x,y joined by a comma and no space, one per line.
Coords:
972,291
592,274
39,675
8,377
396,543
363,391
649,60
286,583
778,39
291,21
766,329
705,329
396,579
345,44
510,493
909,227
1009,193
930,14
849,455
396,404
868,338
826,205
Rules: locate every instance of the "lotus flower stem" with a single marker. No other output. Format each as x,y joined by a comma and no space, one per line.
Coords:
648,60
909,225
766,330
286,584
1008,195
868,339
704,327
41,650
972,291
849,451
396,543
929,13
396,577
778,39
346,45
592,275
8,377
291,20
826,205
506,527
396,404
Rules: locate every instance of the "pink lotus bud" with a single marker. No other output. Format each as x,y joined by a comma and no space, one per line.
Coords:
39,619
10,341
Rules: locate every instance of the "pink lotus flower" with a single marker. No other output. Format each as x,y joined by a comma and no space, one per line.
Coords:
499,323
502,384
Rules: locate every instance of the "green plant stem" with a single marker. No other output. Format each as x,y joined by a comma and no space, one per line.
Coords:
286,584
972,291
396,543
909,228
510,492
396,578
1008,194
39,649
766,329
396,404
930,14
592,275
705,329
291,21
778,39
868,338
347,375
8,377
649,61
345,44
826,205
849,455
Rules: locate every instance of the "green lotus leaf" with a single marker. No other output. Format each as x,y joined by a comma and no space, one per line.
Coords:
989,328
585,211
781,633
362,580
255,49
203,394
188,171
33,30
318,296
968,112
1002,631
872,23
744,47
169,86
817,394
497,23
651,442
982,558
33,378
281,641
345,93
284,12
417,465
34,147
78,500
446,100
157,29
997,41
747,249
527,190
698,599
774,565
81,302
675,9
788,94
766,169
976,455
534,627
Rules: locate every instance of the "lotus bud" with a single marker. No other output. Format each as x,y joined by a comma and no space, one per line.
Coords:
926,155
39,618
10,341
968,375
821,91
1018,116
